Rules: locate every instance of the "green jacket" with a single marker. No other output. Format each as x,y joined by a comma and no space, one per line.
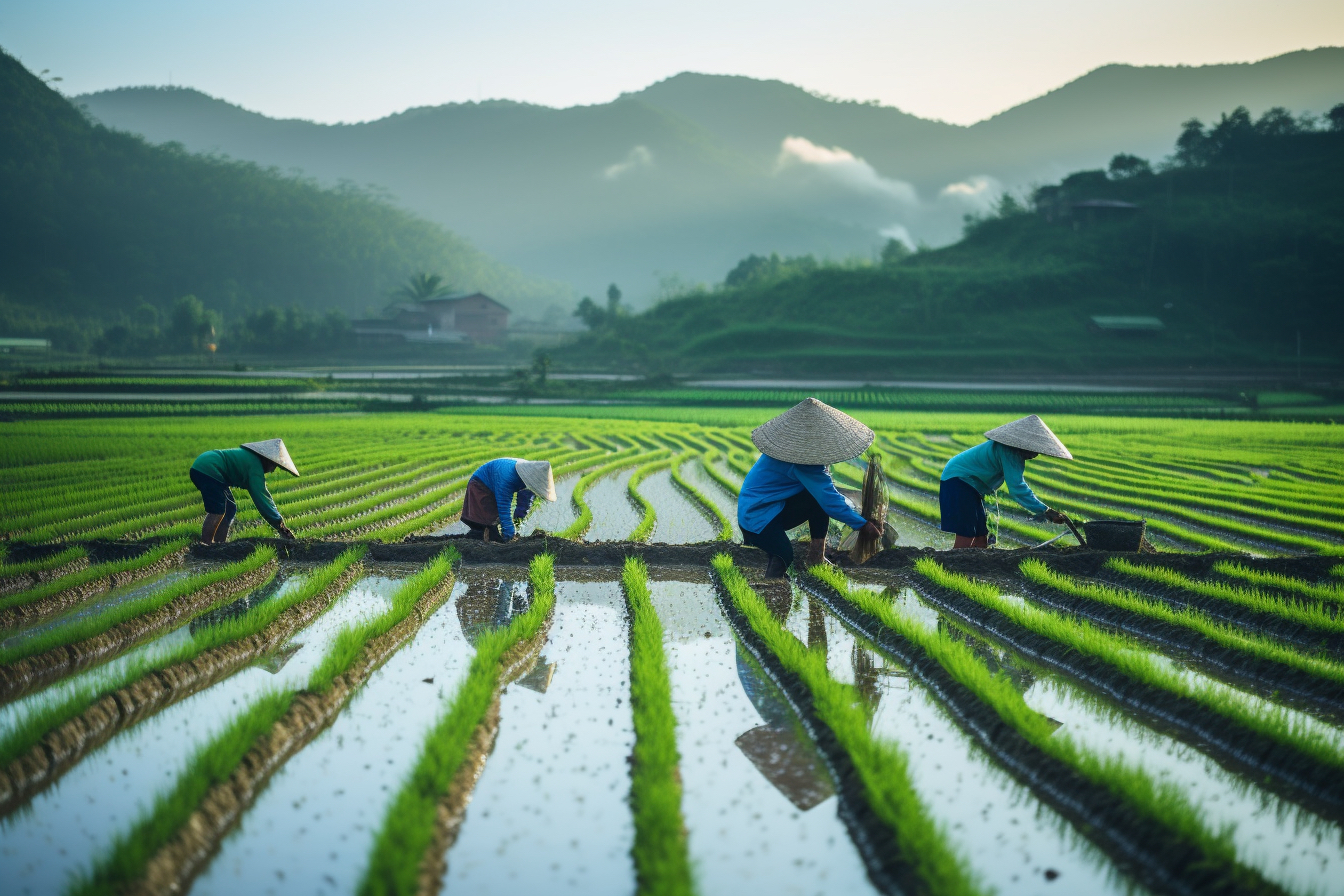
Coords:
239,468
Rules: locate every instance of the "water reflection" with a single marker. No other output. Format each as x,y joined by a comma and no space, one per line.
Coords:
778,749
489,603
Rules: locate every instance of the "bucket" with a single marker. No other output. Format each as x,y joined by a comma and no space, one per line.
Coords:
1115,535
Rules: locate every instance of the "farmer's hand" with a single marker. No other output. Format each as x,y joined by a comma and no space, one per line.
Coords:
871,529
285,532
1055,516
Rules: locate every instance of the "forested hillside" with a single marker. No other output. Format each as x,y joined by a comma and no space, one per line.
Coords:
1236,247
98,228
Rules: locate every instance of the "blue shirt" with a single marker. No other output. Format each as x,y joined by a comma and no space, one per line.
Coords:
988,466
770,482
501,477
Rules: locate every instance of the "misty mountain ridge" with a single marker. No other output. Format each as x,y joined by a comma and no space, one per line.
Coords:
677,182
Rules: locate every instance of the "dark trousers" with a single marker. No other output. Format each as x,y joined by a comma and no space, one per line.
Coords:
216,496
798,509
483,532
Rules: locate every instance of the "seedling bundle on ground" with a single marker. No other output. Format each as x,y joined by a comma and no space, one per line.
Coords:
384,706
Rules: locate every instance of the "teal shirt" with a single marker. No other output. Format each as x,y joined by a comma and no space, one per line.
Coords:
239,468
988,466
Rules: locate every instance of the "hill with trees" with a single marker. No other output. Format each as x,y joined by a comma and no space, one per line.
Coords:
1235,246
100,230
678,181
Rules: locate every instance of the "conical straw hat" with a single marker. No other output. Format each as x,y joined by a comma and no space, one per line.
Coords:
811,432
536,475
275,451
1030,434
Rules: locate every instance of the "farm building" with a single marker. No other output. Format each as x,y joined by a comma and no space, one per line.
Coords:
475,318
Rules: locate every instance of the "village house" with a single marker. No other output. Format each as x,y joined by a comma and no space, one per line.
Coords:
474,319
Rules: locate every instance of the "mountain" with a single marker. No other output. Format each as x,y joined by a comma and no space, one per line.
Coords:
95,222
1236,250
678,181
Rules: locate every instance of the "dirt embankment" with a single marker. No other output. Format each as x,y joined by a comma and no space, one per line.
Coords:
68,743
23,614
452,808
34,672
173,867
22,582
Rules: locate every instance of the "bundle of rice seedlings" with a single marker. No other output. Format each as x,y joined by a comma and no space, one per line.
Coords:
874,507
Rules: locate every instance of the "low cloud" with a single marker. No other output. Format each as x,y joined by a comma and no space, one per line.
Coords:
898,233
637,157
842,167
979,192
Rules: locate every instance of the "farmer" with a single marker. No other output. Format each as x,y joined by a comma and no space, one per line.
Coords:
216,472
486,510
977,472
791,483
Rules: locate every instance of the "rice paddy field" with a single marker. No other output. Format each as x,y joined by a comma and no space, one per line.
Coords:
616,702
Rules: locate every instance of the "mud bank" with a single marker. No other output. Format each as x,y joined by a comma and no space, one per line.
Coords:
23,581
67,744
12,617
31,673
173,867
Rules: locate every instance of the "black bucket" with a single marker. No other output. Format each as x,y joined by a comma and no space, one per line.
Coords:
1115,535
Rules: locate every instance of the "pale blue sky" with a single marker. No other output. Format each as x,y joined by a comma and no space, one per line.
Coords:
335,60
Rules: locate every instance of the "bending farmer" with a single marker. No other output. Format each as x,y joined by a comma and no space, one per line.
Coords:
791,483
977,472
486,510
216,472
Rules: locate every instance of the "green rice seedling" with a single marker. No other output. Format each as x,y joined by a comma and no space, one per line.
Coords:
1315,615
709,507
662,864
348,644
623,459
1283,583
1127,656
92,574
45,715
707,463
649,519
407,830
96,624
53,561
1220,632
126,859
882,768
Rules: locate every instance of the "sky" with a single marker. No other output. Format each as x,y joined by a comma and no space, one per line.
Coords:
335,60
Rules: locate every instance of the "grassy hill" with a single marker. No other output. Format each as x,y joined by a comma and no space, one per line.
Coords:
1238,249
95,223
684,177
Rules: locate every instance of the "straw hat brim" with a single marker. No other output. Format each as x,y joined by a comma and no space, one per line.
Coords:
274,450
1030,434
537,476
812,432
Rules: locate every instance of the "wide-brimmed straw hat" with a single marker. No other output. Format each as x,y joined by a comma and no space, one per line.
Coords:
275,451
1030,434
812,432
536,475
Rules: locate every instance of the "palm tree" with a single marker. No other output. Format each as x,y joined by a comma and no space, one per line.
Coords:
422,286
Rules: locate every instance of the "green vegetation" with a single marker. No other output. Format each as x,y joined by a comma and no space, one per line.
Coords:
1128,657
92,573
97,623
704,503
1220,632
1283,583
53,561
408,826
648,517
883,770
1315,615
1198,244
44,714
101,234
662,864
351,641
627,458
125,860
